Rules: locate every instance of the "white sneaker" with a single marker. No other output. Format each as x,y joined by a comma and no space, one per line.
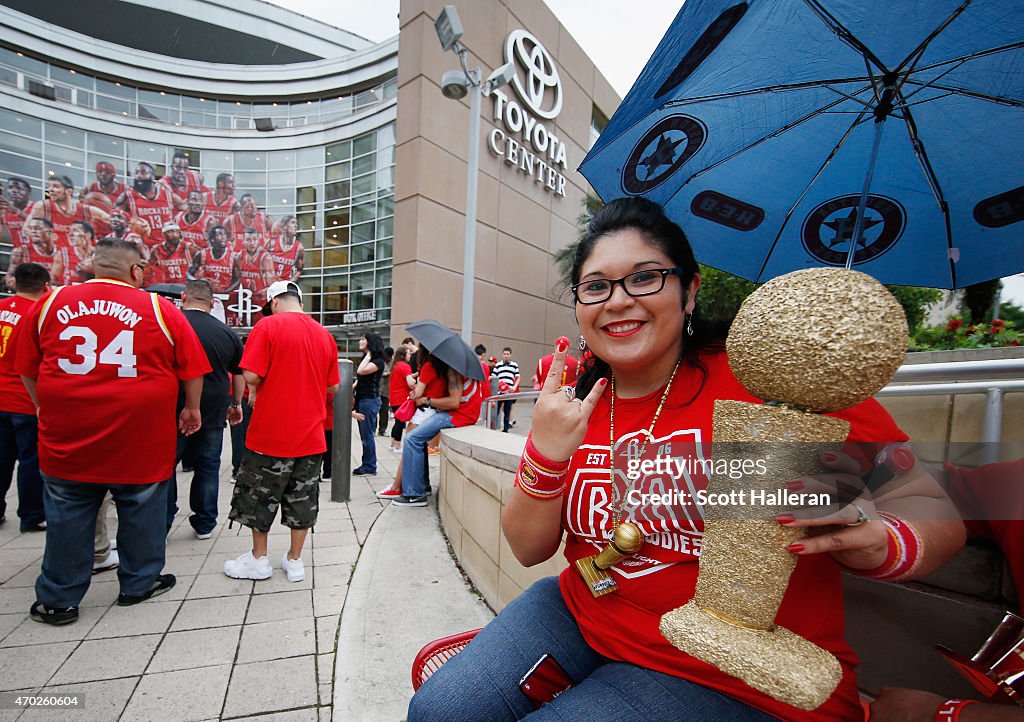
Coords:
202,536
248,567
111,562
293,568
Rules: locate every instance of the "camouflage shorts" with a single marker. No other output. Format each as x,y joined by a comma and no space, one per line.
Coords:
266,482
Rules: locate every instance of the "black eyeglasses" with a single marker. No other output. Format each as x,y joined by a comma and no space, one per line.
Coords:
641,283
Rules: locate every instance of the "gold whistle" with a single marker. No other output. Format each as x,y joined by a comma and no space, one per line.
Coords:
626,542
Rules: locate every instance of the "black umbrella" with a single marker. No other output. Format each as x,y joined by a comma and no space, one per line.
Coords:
444,343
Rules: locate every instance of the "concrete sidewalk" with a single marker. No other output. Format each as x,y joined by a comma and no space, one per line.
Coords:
221,648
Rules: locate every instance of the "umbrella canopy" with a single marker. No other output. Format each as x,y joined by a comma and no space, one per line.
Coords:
780,133
444,343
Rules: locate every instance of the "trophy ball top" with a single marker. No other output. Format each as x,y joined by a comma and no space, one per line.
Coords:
628,538
820,338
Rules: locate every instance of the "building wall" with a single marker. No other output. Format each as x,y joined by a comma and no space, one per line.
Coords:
520,223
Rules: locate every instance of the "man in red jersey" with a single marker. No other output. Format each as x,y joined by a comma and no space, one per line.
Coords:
216,263
18,423
150,201
286,251
169,261
40,249
292,362
195,222
79,257
102,361
62,209
221,203
104,191
253,265
14,210
249,216
181,180
122,230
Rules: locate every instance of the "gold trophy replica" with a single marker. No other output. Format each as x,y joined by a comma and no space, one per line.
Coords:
808,342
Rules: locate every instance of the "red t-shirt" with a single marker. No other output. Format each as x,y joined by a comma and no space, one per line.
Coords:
398,388
297,359
435,387
990,500
569,374
662,576
14,397
107,359
170,266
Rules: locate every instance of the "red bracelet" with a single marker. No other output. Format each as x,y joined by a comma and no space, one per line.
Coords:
949,711
903,550
540,477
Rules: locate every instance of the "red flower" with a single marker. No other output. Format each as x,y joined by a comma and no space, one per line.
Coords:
997,324
1015,343
954,324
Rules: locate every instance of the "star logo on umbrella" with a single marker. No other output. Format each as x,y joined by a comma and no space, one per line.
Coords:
663,154
845,226
827,232
661,151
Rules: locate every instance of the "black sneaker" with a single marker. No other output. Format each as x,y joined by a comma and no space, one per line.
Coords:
53,615
163,583
409,501
30,528
363,472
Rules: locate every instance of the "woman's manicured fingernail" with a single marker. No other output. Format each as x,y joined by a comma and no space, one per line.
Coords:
795,485
602,382
785,518
561,344
795,548
829,456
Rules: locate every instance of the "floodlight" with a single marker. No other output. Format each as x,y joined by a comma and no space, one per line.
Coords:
454,84
448,27
501,76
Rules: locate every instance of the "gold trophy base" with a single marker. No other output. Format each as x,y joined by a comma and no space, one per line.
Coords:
777,662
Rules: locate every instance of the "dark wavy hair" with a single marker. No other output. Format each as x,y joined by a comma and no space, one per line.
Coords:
649,219
374,344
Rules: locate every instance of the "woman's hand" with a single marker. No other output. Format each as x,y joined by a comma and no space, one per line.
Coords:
849,528
559,418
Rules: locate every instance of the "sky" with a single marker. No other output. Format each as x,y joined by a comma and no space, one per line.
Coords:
619,43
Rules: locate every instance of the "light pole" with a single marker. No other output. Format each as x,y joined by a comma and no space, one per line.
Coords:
455,84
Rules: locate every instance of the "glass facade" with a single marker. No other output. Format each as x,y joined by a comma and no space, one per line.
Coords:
341,195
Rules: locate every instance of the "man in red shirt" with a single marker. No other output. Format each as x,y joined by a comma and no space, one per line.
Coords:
181,180
253,264
40,249
150,201
169,261
18,423
221,203
102,361
291,363
569,373
215,263
14,209
286,250
195,222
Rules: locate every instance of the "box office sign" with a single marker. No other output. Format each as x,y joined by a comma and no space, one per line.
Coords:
359,316
520,135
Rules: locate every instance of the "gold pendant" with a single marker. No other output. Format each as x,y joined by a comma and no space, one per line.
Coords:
626,542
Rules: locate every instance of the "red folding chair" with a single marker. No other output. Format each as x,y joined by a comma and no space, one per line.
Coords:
434,654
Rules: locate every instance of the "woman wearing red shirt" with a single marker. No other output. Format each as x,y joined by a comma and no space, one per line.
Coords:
398,391
654,374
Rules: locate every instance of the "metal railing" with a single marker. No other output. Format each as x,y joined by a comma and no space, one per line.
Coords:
994,378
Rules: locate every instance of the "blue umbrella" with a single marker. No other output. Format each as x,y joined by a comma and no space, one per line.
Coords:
781,133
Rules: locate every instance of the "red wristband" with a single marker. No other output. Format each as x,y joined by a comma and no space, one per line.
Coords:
903,550
949,711
540,477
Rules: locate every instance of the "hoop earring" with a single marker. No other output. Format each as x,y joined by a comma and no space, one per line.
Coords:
583,343
689,324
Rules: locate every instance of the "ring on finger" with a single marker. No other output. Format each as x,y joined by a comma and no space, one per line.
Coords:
862,516
570,392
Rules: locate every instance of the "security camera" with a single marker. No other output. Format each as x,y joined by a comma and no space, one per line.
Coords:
501,76
454,84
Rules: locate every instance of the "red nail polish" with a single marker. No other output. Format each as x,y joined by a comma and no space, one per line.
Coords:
561,344
602,382
795,485
795,548
785,518
829,456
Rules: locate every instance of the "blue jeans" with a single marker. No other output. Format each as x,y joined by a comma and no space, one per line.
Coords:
203,450
505,408
18,437
414,453
71,508
482,681
368,408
